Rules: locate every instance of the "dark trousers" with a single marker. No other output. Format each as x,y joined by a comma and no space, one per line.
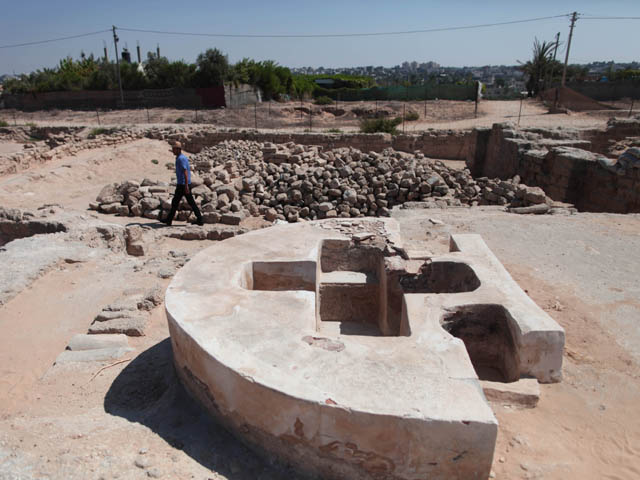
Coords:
177,196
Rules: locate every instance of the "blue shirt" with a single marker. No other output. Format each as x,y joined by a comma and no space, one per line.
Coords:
182,164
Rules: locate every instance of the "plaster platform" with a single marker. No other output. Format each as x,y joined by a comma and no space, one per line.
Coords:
324,345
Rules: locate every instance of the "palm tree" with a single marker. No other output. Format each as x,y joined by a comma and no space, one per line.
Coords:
537,66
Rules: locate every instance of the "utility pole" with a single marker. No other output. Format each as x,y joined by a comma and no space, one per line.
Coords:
574,17
115,42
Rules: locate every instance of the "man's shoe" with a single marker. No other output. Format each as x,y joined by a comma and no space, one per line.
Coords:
200,222
167,222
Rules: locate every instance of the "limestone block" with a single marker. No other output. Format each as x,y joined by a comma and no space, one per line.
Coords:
524,393
93,342
96,355
132,326
232,218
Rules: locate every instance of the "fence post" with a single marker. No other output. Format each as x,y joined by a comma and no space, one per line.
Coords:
255,114
310,115
404,108
15,123
196,114
631,108
475,112
98,114
147,109
520,112
425,101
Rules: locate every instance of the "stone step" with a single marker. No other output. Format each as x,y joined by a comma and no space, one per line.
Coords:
82,341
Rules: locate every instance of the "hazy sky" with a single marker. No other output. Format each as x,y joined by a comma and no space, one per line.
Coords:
25,21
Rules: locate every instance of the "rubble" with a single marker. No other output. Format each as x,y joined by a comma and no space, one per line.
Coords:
237,179
128,316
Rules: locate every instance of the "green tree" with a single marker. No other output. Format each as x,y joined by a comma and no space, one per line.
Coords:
212,68
538,66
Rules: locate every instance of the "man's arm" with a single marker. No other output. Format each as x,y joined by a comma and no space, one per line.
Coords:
186,181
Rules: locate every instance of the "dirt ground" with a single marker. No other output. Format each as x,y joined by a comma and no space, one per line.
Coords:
345,116
133,420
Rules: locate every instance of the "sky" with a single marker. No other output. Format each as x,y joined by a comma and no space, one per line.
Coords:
593,40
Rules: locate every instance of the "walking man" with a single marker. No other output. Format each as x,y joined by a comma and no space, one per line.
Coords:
183,188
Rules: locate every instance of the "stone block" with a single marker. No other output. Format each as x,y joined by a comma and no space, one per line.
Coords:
523,393
97,355
232,218
132,326
93,342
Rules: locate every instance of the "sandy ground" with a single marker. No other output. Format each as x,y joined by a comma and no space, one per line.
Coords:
346,116
582,270
134,420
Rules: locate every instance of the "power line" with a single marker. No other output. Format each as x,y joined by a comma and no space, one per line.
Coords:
322,35
609,18
339,35
39,42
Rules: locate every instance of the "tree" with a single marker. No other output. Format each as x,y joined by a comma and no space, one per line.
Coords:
538,65
212,68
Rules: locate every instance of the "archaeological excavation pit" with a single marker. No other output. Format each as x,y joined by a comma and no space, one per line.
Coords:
320,345
486,333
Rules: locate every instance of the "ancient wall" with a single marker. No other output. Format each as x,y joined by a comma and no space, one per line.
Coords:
567,164
448,145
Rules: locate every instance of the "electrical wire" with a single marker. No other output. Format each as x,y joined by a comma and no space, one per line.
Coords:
322,35
340,35
608,18
39,42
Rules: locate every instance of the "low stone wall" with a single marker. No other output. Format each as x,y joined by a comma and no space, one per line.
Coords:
565,163
617,129
445,144
59,142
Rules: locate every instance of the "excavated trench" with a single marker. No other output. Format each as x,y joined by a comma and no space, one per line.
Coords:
12,230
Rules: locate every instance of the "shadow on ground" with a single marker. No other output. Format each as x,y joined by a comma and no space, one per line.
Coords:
148,392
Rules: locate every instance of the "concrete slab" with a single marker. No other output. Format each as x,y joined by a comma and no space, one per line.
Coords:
351,383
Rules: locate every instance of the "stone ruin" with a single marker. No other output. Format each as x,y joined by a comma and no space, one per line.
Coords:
326,346
238,179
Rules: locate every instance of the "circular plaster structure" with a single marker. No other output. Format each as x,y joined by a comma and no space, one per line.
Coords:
323,345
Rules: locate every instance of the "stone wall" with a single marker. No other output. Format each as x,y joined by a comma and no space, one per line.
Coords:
445,144
58,142
567,164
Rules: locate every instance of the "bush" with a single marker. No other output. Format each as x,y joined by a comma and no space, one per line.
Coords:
380,125
324,100
3,123
179,120
412,116
334,130
100,131
154,161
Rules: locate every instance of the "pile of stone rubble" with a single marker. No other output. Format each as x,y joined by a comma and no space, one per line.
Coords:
236,179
